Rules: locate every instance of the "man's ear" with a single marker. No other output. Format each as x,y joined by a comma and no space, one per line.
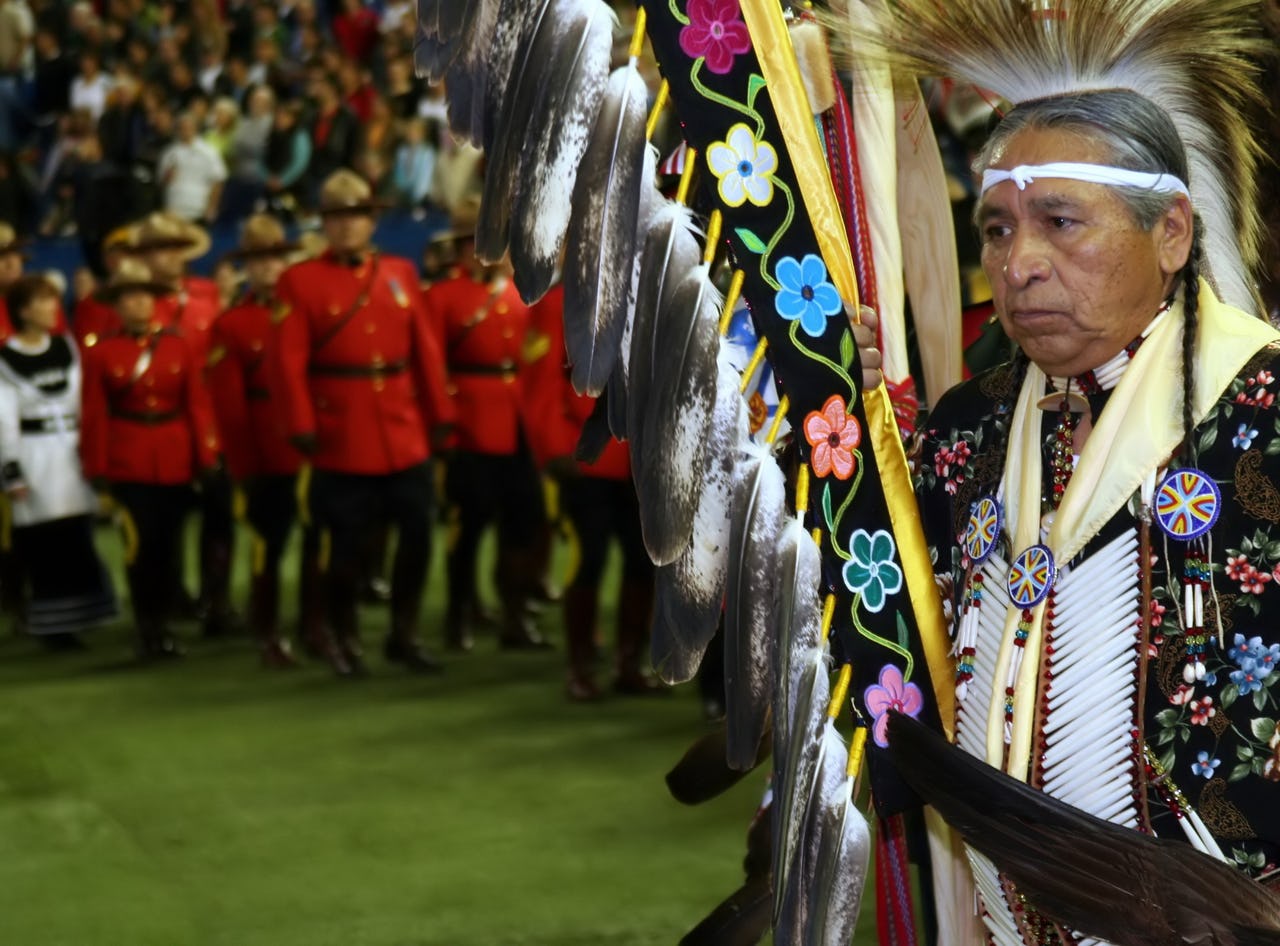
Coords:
1174,233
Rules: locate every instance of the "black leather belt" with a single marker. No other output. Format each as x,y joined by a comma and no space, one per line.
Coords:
357,371
48,425
257,394
501,369
150,418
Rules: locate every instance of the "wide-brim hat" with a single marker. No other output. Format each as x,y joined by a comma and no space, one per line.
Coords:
263,236
464,217
346,192
132,275
165,231
10,242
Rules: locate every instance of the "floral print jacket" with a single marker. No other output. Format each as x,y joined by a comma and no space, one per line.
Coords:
1217,739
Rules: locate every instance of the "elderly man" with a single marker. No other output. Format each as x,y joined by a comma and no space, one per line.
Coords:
1105,505
359,378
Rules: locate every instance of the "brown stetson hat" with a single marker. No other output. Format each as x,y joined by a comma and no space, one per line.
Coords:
131,275
9,240
166,231
346,192
263,235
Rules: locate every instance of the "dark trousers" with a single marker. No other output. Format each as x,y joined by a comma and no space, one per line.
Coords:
153,531
487,487
350,507
601,509
271,511
217,525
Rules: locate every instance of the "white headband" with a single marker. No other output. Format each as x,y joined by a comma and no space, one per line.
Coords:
1025,174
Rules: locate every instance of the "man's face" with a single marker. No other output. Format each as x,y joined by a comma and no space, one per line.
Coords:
10,267
264,271
166,265
135,308
1074,278
349,232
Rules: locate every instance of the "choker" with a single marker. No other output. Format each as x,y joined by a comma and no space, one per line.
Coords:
1100,379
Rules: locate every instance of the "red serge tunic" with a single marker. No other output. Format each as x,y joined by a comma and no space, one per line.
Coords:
354,363
146,415
253,432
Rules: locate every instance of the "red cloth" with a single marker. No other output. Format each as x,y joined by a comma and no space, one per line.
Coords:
253,433
555,412
356,34
482,327
157,428
369,387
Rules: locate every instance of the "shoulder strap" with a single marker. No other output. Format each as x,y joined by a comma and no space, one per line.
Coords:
362,299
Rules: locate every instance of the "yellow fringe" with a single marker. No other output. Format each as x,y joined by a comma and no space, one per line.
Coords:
731,300
655,114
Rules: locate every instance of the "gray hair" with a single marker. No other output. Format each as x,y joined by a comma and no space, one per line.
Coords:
1137,133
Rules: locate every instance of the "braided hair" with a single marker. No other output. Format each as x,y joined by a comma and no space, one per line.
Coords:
1190,321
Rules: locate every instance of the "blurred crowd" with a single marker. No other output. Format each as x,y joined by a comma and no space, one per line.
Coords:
211,109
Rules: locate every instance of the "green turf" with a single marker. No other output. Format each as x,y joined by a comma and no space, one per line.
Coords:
212,802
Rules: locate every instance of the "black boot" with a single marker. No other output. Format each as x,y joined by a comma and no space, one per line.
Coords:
264,615
519,632
580,608
635,609
403,645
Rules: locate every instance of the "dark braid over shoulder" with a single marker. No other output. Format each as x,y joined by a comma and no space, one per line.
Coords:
1018,370
1190,320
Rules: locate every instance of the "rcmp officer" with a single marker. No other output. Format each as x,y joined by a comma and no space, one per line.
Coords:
483,323
599,501
259,457
165,244
147,432
359,378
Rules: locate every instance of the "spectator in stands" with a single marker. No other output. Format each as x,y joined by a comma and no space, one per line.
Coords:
356,30
191,174
89,88
415,165
102,200
358,93
403,93
335,133
246,161
122,127
51,89
287,158
223,125
184,91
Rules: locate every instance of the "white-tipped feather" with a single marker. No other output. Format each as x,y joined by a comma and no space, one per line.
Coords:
558,138
600,263
800,702
523,47
671,252
467,75
689,592
758,509
680,404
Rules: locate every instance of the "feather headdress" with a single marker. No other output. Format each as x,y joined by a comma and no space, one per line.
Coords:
1191,57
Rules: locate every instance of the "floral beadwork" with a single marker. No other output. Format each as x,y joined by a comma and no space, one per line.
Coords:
743,166
806,294
834,435
890,693
871,571
715,33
